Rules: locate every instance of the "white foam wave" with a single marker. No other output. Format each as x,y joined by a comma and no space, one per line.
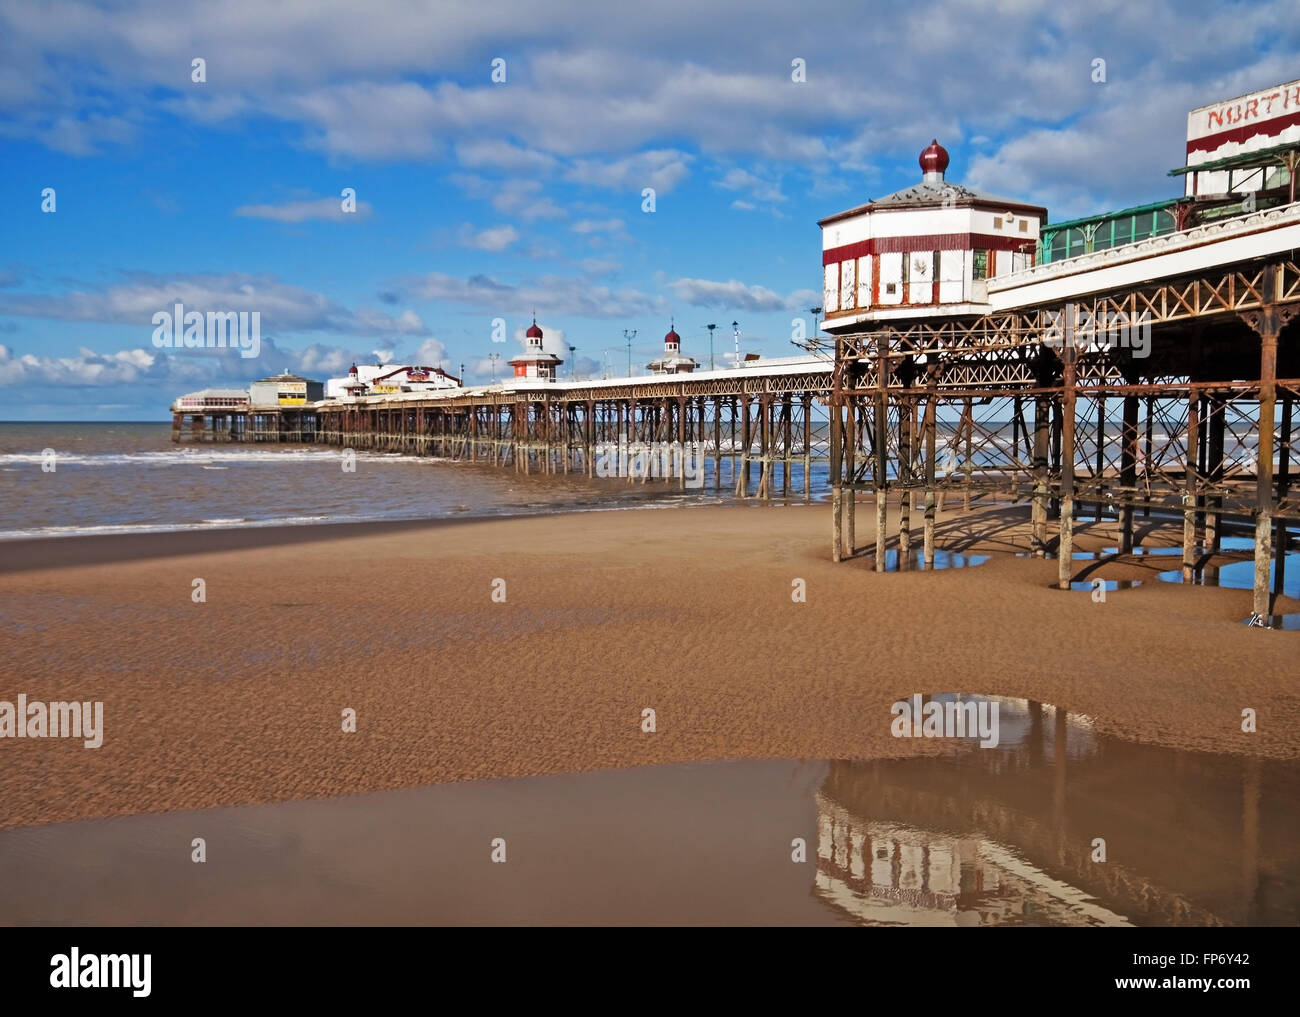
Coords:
209,459
113,529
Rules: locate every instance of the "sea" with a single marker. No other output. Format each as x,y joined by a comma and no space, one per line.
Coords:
70,479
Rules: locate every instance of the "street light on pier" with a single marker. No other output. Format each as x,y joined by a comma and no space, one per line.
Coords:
629,335
494,357
711,328
573,362
735,334
810,343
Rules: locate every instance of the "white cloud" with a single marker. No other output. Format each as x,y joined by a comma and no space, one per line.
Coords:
330,209
757,188
431,353
661,169
554,294
500,154
730,294
494,239
624,102
519,197
283,308
588,226
176,370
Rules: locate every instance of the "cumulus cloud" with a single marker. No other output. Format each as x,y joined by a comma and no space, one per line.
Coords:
430,353
498,153
661,169
173,370
85,368
755,187
520,197
729,294
284,308
494,239
554,294
622,102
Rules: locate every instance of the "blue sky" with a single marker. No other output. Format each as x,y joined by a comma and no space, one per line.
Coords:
480,199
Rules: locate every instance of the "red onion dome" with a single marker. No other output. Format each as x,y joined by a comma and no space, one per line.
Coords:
934,159
533,331
672,337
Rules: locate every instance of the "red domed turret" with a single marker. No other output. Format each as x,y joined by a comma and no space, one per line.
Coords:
934,159
534,332
353,371
672,337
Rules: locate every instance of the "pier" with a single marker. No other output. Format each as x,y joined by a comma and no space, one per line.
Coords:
1143,363
767,422
1046,404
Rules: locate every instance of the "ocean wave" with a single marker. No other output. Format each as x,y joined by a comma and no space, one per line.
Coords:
209,459
117,529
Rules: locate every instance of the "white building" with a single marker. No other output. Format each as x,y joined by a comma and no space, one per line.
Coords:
284,390
387,379
212,399
412,379
535,362
673,361
927,249
1244,143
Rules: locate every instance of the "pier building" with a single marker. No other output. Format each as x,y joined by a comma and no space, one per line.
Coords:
673,361
535,362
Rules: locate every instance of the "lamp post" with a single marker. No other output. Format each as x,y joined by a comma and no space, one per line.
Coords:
629,335
573,362
711,328
810,343
735,334
494,358
461,379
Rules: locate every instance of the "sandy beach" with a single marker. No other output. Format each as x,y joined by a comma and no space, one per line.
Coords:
687,612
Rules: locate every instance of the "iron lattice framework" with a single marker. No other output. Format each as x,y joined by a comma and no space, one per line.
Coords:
1044,402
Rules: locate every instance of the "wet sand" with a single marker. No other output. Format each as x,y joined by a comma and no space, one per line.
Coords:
688,612
999,836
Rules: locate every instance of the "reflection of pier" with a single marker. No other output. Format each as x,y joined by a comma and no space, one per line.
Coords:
922,877
1006,835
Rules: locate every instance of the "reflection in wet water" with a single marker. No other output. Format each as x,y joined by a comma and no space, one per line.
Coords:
1288,622
973,837
1240,575
942,560
1110,585
1005,836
